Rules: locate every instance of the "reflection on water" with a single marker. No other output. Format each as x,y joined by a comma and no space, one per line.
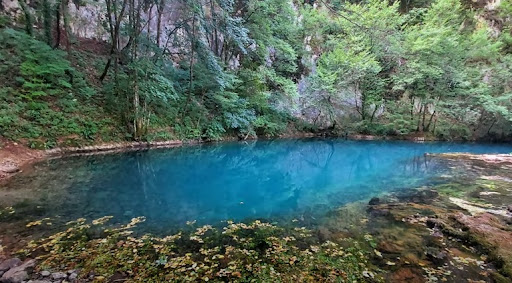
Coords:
263,179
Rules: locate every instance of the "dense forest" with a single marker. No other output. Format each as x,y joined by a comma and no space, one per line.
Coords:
81,71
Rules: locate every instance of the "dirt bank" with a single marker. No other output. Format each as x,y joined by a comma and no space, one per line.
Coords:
14,157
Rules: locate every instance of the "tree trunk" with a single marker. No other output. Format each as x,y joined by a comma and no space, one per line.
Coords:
47,22
58,8
373,113
425,107
419,128
430,121
28,18
114,26
67,29
191,66
160,10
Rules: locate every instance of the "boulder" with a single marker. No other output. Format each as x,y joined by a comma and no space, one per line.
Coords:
15,277
19,273
10,263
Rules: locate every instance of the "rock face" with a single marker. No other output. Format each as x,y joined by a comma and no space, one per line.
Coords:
18,273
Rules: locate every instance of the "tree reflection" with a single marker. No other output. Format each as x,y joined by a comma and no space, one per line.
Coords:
260,179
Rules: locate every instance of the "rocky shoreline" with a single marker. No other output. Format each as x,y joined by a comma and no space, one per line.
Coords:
14,270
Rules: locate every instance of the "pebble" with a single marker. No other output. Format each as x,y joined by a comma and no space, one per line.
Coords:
45,273
73,276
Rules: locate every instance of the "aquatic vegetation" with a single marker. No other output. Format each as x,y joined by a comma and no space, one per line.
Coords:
236,252
6,212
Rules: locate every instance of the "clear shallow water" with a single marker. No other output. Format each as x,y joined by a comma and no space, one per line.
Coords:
238,181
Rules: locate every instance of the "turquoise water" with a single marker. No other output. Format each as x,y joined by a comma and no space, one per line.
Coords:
237,181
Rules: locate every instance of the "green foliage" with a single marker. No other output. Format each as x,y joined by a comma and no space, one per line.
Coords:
4,21
39,69
374,67
45,102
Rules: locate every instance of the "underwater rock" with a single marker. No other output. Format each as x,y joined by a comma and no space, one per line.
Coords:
389,247
420,196
10,263
435,255
407,274
374,201
324,234
496,178
487,158
379,212
411,258
475,208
